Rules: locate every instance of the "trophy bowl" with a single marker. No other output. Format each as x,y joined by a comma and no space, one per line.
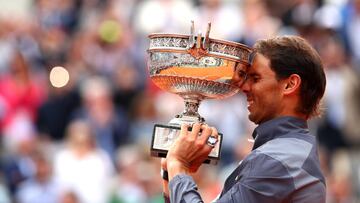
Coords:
194,67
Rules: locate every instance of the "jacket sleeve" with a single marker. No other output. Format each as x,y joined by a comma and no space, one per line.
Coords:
183,189
265,180
268,180
262,179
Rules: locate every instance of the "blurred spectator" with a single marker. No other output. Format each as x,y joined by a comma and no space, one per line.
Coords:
163,16
127,88
90,10
339,181
53,44
143,116
6,46
18,164
127,187
57,14
69,197
303,11
81,167
330,132
351,26
109,123
4,193
256,20
136,178
227,22
20,91
55,113
352,111
109,44
40,188
338,128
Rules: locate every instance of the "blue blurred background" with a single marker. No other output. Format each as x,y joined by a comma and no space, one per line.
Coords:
77,106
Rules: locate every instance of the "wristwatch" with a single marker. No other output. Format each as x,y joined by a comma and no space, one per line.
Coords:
164,174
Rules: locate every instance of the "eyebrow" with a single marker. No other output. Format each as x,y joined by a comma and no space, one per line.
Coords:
254,74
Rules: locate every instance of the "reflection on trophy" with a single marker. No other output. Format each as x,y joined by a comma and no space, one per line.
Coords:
194,67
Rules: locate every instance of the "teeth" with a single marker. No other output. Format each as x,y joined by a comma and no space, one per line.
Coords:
250,103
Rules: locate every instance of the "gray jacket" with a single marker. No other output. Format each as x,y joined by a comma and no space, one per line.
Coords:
282,167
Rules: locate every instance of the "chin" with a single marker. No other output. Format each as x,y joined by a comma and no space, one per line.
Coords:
251,118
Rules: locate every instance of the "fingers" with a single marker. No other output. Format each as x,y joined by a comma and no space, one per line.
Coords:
212,139
200,133
195,131
206,132
214,133
193,147
184,130
205,148
208,138
185,134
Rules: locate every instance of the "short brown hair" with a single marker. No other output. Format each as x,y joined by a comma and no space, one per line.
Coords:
294,55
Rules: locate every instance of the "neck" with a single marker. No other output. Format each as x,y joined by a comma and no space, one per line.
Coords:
289,108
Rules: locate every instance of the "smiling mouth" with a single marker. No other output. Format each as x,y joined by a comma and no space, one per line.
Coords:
250,103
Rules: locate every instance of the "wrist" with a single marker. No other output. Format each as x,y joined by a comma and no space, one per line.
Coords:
165,184
176,167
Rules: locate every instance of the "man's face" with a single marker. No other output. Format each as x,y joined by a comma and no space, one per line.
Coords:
263,91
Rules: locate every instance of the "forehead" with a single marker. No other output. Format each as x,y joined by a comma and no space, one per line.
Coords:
261,66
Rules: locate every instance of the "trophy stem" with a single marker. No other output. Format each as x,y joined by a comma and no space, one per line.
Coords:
191,107
192,103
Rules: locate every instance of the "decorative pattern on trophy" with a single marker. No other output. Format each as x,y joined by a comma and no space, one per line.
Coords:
194,67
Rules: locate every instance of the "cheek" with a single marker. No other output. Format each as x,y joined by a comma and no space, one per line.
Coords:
267,95
273,103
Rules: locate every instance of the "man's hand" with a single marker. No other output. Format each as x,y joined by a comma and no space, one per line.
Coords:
190,149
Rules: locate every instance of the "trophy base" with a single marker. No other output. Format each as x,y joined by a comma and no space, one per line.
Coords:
164,135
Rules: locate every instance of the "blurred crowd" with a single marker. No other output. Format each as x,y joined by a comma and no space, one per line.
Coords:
89,141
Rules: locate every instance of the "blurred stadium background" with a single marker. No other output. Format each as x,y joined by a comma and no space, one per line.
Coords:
77,106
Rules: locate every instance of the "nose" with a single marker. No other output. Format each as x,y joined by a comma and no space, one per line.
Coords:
245,87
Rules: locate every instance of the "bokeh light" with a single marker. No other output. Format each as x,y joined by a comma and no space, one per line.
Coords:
59,76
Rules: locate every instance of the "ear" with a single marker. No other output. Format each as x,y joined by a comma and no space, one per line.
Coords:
291,84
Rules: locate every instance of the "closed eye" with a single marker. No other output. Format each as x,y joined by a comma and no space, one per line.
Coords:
242,74
254,78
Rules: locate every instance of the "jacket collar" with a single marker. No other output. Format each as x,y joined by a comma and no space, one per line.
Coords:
278,127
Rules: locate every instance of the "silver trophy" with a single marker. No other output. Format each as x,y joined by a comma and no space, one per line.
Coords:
194,67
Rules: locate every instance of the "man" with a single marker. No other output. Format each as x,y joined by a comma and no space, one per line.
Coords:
283,87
